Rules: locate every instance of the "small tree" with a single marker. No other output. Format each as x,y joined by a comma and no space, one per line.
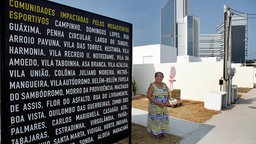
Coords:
134,86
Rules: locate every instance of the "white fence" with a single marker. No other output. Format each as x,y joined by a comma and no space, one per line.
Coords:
193,79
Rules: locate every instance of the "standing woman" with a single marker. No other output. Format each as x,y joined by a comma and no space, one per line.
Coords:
158,117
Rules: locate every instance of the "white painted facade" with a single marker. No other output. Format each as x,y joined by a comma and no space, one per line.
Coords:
193,79
156,53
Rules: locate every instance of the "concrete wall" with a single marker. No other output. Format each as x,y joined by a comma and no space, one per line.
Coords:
254,79
187,58
244,76
194,79
140,52
156,53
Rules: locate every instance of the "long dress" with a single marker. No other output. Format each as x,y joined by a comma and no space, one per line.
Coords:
158,118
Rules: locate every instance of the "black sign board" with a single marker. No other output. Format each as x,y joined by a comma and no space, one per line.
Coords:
65,75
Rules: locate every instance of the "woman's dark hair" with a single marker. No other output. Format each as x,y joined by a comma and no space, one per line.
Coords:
159,73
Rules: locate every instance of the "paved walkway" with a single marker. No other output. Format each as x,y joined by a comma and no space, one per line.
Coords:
234,125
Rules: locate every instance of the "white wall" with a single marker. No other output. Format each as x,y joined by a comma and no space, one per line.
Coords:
254,79
180,10
159,54
187,58
148,50
244,76
182,39
194,79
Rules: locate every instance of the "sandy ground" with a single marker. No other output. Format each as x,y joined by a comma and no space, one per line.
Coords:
141,136
189,110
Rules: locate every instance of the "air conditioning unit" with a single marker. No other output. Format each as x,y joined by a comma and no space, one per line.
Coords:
215,100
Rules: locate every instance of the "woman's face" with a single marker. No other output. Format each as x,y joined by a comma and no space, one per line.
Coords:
159,77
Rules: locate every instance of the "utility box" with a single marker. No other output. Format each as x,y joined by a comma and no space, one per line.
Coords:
234,94
215,100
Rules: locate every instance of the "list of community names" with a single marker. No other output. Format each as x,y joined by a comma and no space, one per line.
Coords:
68,74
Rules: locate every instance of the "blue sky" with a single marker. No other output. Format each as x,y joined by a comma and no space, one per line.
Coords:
145,16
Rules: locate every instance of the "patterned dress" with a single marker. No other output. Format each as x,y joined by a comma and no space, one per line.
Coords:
158,118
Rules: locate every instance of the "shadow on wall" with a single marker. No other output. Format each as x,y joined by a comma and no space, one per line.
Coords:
146,72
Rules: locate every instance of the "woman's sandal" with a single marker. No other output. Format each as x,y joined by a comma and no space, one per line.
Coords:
163,135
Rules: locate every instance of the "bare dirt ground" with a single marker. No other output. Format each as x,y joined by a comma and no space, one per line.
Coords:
141,136
189,110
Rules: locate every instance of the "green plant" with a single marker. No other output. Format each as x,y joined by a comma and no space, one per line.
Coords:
134,86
